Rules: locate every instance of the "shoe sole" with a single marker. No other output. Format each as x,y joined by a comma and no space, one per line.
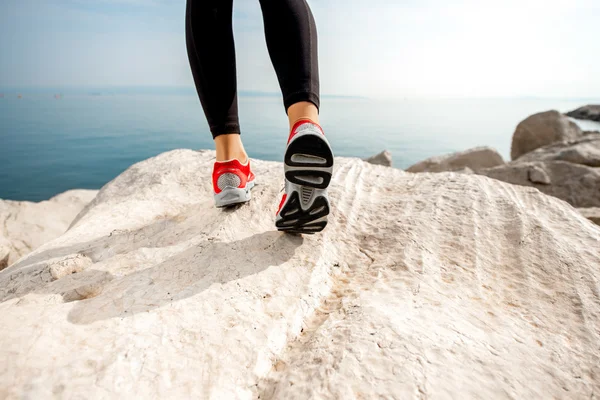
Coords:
308,167
231,196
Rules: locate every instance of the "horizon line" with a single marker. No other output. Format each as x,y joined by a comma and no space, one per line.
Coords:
187,90
115,90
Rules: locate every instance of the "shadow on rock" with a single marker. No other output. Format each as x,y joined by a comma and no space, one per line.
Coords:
86,273
186,274
35,273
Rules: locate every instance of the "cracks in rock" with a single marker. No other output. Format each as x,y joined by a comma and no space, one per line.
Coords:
422,382
5,224
330,304
26,245
363,251
532,231
342,287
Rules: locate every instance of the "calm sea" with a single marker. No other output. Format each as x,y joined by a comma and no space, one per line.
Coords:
83,140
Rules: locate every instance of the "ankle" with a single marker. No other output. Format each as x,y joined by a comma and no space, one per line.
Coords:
303,110
242,157
229,147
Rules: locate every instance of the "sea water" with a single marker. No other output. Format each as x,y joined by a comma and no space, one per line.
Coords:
49,144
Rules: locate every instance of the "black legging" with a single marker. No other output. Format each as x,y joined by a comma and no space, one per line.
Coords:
292,43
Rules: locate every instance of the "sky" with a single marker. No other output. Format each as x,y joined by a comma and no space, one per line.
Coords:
374,48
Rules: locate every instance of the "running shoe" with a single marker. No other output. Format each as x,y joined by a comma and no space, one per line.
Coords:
308,166
232,182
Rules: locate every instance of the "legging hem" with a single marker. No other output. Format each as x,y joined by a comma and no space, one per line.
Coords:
225,130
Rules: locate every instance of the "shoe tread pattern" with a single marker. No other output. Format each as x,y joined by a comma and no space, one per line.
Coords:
317,173
294,219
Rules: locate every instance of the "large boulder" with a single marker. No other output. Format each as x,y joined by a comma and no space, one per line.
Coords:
579,185
472,159
589,112
584,151
27,225
540,130
433,285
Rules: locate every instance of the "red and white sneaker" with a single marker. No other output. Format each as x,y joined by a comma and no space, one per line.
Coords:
232,182
308,166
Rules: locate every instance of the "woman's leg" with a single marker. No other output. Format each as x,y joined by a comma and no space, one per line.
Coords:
291,37
211,52
308,159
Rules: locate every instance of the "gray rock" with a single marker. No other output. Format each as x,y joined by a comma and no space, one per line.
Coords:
578,185
540,130
465,170
473,159
590,112
537,174
591,213
584,151
383,158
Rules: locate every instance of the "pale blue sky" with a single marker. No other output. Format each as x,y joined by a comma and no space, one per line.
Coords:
375,48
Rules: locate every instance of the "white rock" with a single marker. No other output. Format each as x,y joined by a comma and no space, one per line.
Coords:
383,158
69,265
26,225
434,285
472,159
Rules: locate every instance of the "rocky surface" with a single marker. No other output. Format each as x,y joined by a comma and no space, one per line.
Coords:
578,185
589,112
472,159
422,286
537,174
540,130
383,158
584,151
25,225
4,255
592,213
